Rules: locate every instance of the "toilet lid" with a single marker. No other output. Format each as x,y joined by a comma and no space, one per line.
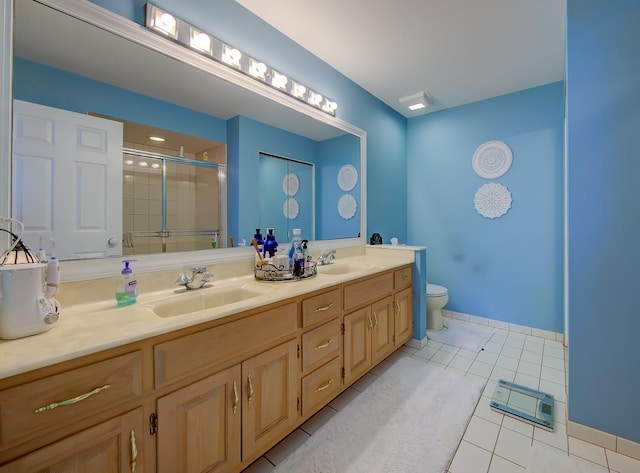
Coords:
435,290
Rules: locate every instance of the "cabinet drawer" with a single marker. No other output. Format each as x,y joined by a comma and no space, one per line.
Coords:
31,407
367,291
321,307
402,278
320,345
321,386
190,354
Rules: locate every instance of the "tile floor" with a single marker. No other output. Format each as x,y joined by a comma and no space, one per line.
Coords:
492,442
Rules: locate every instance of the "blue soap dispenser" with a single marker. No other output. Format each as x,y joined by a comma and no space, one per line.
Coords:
271,244
127,292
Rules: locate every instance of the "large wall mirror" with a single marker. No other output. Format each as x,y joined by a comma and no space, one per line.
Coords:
76,56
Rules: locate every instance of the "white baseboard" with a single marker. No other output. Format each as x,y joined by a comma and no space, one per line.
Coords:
604,439
547,334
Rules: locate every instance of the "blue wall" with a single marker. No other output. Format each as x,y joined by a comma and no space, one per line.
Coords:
334,154
508,268
603,143
254,137
386,129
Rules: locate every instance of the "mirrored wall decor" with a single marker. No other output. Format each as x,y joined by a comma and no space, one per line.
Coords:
76,56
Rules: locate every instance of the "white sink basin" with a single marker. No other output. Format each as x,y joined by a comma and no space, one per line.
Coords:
201,299
338,269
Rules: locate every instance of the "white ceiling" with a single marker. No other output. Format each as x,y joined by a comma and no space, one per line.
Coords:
457,51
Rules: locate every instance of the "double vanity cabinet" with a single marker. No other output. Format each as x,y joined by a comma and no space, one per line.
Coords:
212,397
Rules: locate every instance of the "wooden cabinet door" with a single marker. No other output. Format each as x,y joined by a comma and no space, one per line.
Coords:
269,397
109,447
404,316
357,343
199,425
383,327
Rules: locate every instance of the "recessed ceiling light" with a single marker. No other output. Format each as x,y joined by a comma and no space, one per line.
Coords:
416,101
156,138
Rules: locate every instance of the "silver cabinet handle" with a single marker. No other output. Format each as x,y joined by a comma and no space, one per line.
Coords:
68,402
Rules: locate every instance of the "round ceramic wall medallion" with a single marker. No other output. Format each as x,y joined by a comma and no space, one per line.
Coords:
492,159
347,177
347,206
291,208
492,200
290,184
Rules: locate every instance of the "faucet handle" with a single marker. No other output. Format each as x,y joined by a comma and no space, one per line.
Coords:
182,279
206,276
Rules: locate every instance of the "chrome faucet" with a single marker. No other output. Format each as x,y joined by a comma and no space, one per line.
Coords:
326,258
190,283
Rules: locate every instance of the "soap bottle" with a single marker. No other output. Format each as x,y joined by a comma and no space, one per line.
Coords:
271,244
296,253
259,241
127,292
296,240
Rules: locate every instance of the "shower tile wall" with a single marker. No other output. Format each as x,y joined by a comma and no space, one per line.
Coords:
192,202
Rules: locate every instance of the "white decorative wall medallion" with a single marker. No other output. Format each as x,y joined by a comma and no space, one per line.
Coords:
290,184
291,208
492,200
347,206
347,177
492,159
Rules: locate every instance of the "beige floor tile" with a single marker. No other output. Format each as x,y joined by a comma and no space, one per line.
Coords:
470,459
291,442
588,451
482,433
502,465
513,446
622,463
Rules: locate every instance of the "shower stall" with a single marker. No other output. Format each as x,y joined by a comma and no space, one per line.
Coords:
172,203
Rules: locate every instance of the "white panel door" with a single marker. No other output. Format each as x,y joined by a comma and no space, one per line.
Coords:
67,180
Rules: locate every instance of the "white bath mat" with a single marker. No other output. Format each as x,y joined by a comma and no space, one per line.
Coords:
410,419
544,459
468,336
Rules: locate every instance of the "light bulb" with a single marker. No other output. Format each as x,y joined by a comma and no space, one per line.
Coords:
279,80
298,90
314,98
257,68
201,41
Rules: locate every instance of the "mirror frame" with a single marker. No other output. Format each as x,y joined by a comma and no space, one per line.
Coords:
105,19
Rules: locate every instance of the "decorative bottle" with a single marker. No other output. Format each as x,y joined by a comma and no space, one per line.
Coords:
270,245
259,241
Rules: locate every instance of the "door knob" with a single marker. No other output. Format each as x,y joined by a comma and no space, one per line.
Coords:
113,241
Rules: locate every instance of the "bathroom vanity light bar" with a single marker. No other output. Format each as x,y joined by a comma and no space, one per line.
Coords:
168,25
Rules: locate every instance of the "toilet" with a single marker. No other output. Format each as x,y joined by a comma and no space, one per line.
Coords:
437,298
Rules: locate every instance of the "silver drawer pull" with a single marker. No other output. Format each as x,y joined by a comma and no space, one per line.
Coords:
82,397
324,307
324,345
324,386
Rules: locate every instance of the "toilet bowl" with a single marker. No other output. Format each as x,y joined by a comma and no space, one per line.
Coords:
437,298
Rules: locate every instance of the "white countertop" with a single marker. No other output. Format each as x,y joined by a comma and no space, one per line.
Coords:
89,328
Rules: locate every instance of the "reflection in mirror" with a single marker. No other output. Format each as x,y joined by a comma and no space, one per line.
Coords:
174,191
68,63
289,205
